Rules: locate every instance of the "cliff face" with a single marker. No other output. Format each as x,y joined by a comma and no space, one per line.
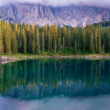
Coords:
72,15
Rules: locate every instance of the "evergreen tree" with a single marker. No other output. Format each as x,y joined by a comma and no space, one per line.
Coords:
43,45
99,39
69,39
55,37
83,39
24,48
64,36
13,43
32,39
38,41
49,41
7,38
33,46
1,41
75,47
91,45
59,40
96,37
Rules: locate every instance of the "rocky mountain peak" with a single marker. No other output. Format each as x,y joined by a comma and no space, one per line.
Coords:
72,15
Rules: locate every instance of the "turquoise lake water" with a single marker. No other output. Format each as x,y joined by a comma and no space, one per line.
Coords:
51,84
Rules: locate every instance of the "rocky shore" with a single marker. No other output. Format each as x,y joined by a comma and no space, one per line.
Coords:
4,59
12,58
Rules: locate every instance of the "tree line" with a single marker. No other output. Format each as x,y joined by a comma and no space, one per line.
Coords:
32,39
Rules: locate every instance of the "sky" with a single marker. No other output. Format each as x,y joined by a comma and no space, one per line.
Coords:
100,3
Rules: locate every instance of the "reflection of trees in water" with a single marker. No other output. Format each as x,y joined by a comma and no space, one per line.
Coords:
50,72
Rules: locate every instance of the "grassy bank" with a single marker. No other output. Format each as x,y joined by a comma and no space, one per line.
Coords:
18,57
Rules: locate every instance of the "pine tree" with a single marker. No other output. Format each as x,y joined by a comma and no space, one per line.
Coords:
38,41
64,36
43,45
7,38
75,47
99,39
24,42
83,39
91,43
59,40
69,38
1,41
55,34
49,41
33,46
46,36
96,37
13,43
29,37
32,38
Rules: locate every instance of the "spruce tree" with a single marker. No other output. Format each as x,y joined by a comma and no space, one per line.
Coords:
32,38
33,46
96,37
59,40
64,36
75,47
91,43
69,38
13,43
99,39
7,38
49,41
38,41
24,42
43,43
1,41
55,34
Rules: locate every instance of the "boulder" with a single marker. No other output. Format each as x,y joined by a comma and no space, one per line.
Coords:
3,59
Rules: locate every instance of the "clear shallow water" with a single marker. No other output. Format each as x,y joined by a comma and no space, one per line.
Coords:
55,85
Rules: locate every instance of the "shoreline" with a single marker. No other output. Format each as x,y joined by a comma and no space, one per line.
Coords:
20,57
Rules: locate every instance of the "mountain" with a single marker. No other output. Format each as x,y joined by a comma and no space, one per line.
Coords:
72,15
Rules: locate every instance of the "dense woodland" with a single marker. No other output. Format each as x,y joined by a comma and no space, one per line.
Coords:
39,40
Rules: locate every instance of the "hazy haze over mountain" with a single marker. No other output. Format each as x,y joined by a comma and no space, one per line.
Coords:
99,3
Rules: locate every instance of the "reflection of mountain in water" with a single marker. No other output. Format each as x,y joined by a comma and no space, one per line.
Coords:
46,78
70,89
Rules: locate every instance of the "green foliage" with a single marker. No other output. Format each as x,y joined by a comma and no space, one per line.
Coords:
24,41
13,43
51,39
1,41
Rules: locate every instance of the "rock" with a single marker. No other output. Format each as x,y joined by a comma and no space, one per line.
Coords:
72,15
2,59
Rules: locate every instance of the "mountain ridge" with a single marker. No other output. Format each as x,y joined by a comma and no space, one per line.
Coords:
39,14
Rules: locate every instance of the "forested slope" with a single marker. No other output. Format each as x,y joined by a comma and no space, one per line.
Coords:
32,39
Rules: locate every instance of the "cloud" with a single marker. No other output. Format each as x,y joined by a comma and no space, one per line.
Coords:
99,3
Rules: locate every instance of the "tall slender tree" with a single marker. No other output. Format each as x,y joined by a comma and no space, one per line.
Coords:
24,48
1,41
38,41
43,42
13,43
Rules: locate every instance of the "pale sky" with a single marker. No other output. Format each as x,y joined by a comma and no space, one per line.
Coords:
99,3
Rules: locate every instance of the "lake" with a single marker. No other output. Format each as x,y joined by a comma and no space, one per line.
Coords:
49,84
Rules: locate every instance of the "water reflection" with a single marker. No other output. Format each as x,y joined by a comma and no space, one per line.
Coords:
58,103
47,78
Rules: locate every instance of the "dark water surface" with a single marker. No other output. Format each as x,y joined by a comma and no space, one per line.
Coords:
55,85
